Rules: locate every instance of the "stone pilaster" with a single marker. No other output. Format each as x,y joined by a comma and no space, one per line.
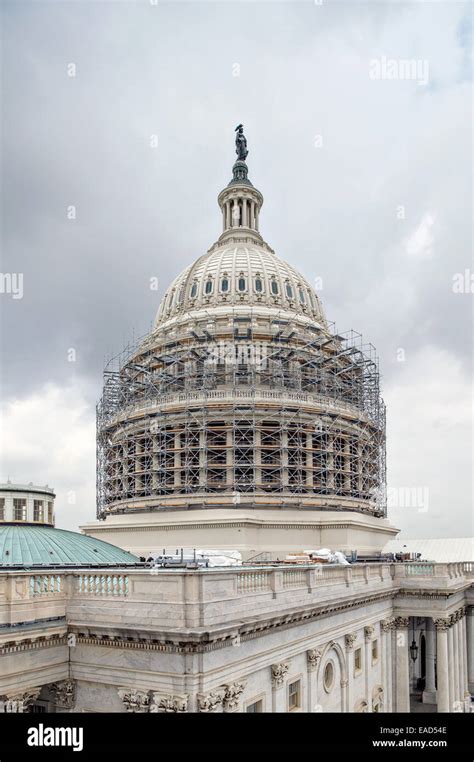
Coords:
279,672
313,657
350,640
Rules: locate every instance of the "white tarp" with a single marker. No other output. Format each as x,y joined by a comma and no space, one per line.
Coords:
325,554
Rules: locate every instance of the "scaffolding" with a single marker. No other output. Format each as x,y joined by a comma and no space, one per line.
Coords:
242,408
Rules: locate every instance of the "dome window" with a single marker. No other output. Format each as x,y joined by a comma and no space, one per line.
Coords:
274,287
289,291
208,289
258,285
224,285
241,284
194,290
302,296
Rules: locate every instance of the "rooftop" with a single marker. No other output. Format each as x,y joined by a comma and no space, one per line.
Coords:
26,545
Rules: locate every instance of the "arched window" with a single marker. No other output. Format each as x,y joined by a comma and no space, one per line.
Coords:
302,296
208,289
289,291
274,287
258,285
241,284
224,285
194,290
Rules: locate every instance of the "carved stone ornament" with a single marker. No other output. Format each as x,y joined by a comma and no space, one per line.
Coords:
278,673
313,656
387,625
21,702
350,640
134,700
64,693
210,702
369,632
165,703
442,624
232,693
401,622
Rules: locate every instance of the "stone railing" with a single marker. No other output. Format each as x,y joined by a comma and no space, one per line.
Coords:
45,584
421,569
171,599
102,584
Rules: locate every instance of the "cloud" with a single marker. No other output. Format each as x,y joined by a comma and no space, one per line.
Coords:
49,437
331,205
429,446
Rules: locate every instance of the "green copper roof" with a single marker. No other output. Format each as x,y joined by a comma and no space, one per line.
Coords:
27,545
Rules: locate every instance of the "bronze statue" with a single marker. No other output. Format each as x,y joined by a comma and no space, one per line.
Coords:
240,143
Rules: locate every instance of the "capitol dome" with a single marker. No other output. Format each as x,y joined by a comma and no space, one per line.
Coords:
242,275
242,395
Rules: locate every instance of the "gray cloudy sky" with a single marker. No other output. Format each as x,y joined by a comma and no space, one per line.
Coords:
367,185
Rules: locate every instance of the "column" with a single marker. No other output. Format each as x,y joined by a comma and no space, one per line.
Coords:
330,462
460,661
229,455
429,694
252,213
451,670
309,461
235,218
470,646
202,459
284,457
442,627
467,695
177,460
462,658
402,665
244,212
386,654
258,458
256,217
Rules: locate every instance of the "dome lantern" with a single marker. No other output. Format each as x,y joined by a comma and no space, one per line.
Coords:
240,202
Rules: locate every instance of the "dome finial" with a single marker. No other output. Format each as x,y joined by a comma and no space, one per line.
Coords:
240,143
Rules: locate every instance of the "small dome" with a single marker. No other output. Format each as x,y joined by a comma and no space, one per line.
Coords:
240,274
26,546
